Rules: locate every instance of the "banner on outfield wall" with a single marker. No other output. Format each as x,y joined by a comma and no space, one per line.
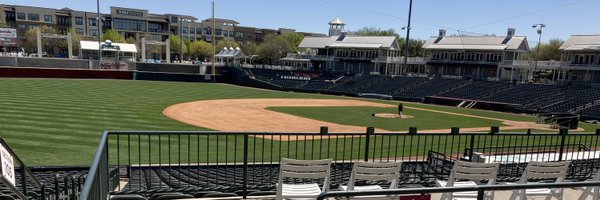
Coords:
114,65
8,37
8,167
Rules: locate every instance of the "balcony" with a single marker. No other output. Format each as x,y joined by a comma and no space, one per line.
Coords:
307,56
475,62
158,31
411,60
550,65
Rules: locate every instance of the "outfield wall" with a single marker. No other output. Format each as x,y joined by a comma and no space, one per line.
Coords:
75,68
26,72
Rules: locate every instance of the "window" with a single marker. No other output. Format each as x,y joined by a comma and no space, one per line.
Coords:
10,16
94,32
34,26
130,25
173,19
79,31
93,22
33,17
21,16
230,34
219,32
79,20
22,27
192,31
184,30
60,20
239,35
48,18
155,27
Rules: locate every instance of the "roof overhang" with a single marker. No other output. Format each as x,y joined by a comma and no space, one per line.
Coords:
467,47
356,45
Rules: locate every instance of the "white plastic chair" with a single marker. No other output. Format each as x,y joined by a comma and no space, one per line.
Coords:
302,169
591,191
374,171
469,174
542,170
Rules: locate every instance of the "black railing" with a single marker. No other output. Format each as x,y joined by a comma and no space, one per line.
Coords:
245,162
480,189
23,177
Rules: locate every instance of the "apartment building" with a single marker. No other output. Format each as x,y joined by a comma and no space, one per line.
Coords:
478,57
131,23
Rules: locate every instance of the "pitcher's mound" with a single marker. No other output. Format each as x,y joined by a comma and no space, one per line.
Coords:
390,115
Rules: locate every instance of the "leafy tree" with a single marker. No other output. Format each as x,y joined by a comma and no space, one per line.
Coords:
176,44
113,36
250,48
415,48
2,18
416,45
548,51
48,44
293,38
273,48
372,31
226,43
200,49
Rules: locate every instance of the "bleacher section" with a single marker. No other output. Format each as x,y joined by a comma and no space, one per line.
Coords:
430,87
523,93
475,90
520,97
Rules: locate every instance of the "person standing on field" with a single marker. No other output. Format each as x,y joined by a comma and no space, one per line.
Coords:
400,109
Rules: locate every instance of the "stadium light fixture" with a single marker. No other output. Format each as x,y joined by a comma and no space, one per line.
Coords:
540,27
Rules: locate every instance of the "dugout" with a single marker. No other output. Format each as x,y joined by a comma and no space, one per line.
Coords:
560,120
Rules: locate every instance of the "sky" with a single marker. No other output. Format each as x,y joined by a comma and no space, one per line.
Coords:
474,17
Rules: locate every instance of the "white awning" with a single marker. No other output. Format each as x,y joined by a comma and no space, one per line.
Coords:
468,47
121,47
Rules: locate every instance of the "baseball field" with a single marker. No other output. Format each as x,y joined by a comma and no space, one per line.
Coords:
60,121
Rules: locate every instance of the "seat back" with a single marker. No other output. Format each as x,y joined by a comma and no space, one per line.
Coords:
473,171
545,170
305,169
376,171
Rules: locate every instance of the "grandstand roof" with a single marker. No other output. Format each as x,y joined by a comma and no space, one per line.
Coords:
387,42
230,53
496,43
582,43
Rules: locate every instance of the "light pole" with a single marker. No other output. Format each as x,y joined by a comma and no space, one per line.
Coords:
540,28
213,41
99,32
407,38
181,39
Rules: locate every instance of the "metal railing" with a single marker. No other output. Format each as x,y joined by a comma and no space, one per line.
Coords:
241,161
480,189
20,188
96,184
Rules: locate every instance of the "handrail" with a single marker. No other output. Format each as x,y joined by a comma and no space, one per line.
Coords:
479,188
94,188
25,172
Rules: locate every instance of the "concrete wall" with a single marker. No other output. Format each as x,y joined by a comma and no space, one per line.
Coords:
51,63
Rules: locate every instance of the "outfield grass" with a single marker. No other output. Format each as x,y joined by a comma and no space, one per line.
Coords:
361,116
59,122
